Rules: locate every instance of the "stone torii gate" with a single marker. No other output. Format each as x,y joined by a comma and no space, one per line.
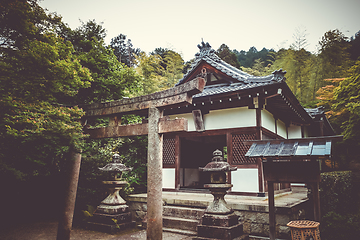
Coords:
153,106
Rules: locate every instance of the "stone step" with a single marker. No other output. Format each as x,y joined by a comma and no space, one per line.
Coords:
252,237
180,223
183,212
242,237
179,231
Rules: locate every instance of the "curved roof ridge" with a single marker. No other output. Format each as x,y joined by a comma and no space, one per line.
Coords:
208,55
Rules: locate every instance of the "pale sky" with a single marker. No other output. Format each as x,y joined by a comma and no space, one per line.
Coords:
180,25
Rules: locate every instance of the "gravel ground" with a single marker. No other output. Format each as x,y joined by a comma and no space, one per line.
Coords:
48,230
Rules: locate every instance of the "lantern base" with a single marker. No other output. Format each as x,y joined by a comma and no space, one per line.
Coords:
215,226
112,215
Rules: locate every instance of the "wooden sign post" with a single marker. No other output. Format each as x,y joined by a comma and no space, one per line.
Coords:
153,106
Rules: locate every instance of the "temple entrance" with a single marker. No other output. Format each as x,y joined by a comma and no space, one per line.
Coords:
197,152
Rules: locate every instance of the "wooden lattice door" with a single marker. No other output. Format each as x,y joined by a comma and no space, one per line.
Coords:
169,152
239,149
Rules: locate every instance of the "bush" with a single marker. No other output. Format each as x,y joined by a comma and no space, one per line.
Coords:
339,205
337,226
97,153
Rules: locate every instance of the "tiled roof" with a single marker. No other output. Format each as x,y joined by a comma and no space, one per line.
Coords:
208,55
240,80
285,148
227,88
313,112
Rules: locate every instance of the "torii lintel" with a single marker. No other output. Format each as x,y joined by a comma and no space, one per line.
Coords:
170,98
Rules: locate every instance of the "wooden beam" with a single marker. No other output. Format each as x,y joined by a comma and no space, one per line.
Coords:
165,126
292,140
198,120
173,97
292,171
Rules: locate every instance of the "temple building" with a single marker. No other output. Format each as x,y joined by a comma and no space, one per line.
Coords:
234,107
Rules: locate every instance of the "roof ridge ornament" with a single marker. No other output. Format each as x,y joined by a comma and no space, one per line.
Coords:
279,75
206,50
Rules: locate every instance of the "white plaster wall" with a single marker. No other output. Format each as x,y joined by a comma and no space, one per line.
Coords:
267,121
294,131
168,180
222,119
281,128
189,117
245,180
230,118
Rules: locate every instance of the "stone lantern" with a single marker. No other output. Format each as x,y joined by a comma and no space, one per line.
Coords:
113,214
219,220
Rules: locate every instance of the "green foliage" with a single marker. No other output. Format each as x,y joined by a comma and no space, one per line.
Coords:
134,153
45,70
36,136
37,64
161,69
337,226
247,59
123,50
341,99
354,49
97,153
148,66
89,212
258,69
37,71
336,192
347,101
297,65
227,55
339,205
111,79
173,65
334,54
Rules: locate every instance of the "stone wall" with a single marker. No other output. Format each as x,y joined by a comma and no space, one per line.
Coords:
257,222
255,218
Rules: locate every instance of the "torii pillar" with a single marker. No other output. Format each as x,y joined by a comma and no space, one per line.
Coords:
152,105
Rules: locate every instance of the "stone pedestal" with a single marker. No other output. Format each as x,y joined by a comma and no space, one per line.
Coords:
219,220
112,215
219,227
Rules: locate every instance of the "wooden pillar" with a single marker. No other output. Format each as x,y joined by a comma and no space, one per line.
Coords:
229,146
72,179
260,175
316,200
302,131
258,124
154,179
259,136
321,125
177,162
272,221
